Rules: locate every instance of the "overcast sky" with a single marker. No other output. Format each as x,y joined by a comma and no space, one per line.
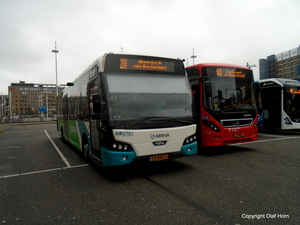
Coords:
227,31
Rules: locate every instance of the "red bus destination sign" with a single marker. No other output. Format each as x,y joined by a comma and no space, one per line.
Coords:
229,73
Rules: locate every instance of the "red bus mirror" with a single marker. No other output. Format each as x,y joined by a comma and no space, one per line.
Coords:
208,89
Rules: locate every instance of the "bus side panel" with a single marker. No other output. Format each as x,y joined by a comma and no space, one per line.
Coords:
287,123
76,131
74,134
60,124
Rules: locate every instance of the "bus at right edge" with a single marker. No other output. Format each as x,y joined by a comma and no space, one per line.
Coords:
225,103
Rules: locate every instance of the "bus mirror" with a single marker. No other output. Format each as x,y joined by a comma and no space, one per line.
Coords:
220,95
208,89
96,104
70,84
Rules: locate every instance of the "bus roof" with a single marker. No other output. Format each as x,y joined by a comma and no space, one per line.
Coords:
219,65
282,81
99,63
101,60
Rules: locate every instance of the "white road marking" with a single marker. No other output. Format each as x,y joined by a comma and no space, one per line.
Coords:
274,139
57,149
82,165
270,135
42,171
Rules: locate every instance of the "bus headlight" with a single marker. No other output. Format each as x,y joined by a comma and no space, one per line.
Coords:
190,139
120,146
211,125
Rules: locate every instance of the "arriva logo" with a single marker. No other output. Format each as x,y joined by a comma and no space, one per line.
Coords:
153,136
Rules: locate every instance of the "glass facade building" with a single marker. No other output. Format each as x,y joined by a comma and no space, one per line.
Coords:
282,65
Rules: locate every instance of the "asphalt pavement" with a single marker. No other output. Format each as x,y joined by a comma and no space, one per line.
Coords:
44,181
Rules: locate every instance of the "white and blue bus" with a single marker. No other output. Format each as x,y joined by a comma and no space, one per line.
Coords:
280,100
125,108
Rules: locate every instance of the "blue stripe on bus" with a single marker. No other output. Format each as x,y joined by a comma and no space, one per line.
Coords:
189,149
113,158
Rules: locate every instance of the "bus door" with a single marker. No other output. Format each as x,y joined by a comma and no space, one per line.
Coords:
271,102
96,130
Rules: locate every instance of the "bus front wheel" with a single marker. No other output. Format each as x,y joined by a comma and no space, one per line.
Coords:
85,149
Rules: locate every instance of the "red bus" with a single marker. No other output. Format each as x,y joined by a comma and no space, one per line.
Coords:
225,105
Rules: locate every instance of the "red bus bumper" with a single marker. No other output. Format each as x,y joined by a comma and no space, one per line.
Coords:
227,136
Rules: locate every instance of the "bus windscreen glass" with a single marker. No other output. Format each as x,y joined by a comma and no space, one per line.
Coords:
292,103
143,95
228,88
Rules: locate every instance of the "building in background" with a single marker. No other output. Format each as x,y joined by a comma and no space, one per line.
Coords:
3,106
282,65
32,99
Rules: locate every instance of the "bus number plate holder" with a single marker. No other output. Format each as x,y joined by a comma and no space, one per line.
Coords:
158,157
238,135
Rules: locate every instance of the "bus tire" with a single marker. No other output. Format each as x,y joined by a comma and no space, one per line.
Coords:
85,148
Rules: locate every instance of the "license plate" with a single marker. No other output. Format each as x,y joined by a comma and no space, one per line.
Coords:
238,135
158,157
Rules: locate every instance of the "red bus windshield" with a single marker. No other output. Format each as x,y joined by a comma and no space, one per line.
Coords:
228,88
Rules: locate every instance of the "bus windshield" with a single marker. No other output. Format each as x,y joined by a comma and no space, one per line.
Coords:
136,96
292,103
228,88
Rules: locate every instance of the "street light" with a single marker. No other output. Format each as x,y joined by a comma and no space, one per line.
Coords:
41,101
193,57
1,111
56,51
250,66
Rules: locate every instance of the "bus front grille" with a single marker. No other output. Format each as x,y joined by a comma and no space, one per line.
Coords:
237,122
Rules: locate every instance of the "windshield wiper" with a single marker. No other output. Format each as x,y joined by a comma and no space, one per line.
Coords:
245,106
148,118
182,120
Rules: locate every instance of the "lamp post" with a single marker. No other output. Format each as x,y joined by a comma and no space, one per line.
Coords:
250,66
193,57
56,51
41,103
1,111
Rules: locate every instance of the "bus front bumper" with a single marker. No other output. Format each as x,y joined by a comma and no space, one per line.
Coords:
116,158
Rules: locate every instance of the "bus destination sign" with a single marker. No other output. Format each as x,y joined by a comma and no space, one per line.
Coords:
145,64
229,73
294,90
